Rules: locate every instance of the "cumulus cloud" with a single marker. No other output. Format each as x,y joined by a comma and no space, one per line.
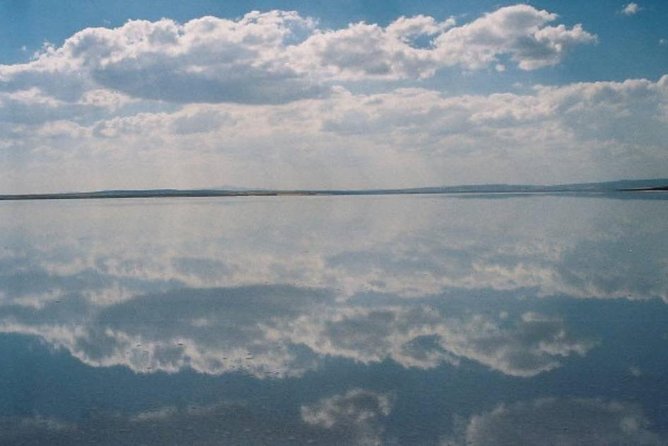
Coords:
150,104
519,31
279,56
631,9
204,60
370,51
367,50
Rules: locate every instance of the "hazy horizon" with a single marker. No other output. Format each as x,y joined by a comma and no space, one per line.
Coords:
650,182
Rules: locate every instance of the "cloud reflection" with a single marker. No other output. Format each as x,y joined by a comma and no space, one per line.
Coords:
356,417
272,286
355,420
280,331
553,421
357,411
573,247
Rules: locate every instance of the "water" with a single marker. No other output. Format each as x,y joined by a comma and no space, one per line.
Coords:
334,320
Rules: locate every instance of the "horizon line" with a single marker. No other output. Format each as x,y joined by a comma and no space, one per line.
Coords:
642,185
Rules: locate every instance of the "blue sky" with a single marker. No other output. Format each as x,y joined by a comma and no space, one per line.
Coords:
474,92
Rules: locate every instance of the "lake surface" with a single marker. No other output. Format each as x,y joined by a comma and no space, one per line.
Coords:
411,320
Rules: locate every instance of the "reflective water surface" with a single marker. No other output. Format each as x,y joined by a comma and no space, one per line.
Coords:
434,320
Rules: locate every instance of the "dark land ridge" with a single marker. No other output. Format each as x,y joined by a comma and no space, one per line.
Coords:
610,187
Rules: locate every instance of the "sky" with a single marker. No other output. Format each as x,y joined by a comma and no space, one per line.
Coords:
322,94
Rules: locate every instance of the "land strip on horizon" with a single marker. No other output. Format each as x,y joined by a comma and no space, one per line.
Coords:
622,186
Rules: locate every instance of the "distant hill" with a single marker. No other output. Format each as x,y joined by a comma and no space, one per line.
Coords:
622,186
608,186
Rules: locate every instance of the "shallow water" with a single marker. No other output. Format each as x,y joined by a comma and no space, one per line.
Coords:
334,320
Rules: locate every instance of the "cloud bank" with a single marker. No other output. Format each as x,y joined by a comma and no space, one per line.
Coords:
405,137
273,99
280,56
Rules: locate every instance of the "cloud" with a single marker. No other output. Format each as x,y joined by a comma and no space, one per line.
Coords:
519,31
553,421
279,56
403,137
150,104
631,9
204,60
370,51
574,109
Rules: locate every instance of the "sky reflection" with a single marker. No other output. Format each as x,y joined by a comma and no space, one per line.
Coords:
469,317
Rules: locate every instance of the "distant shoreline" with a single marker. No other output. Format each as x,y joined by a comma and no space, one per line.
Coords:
578,189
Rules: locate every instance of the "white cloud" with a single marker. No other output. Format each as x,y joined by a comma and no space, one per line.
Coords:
279,56
631,9
404,137
519,31
370,51
204,60
257,101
